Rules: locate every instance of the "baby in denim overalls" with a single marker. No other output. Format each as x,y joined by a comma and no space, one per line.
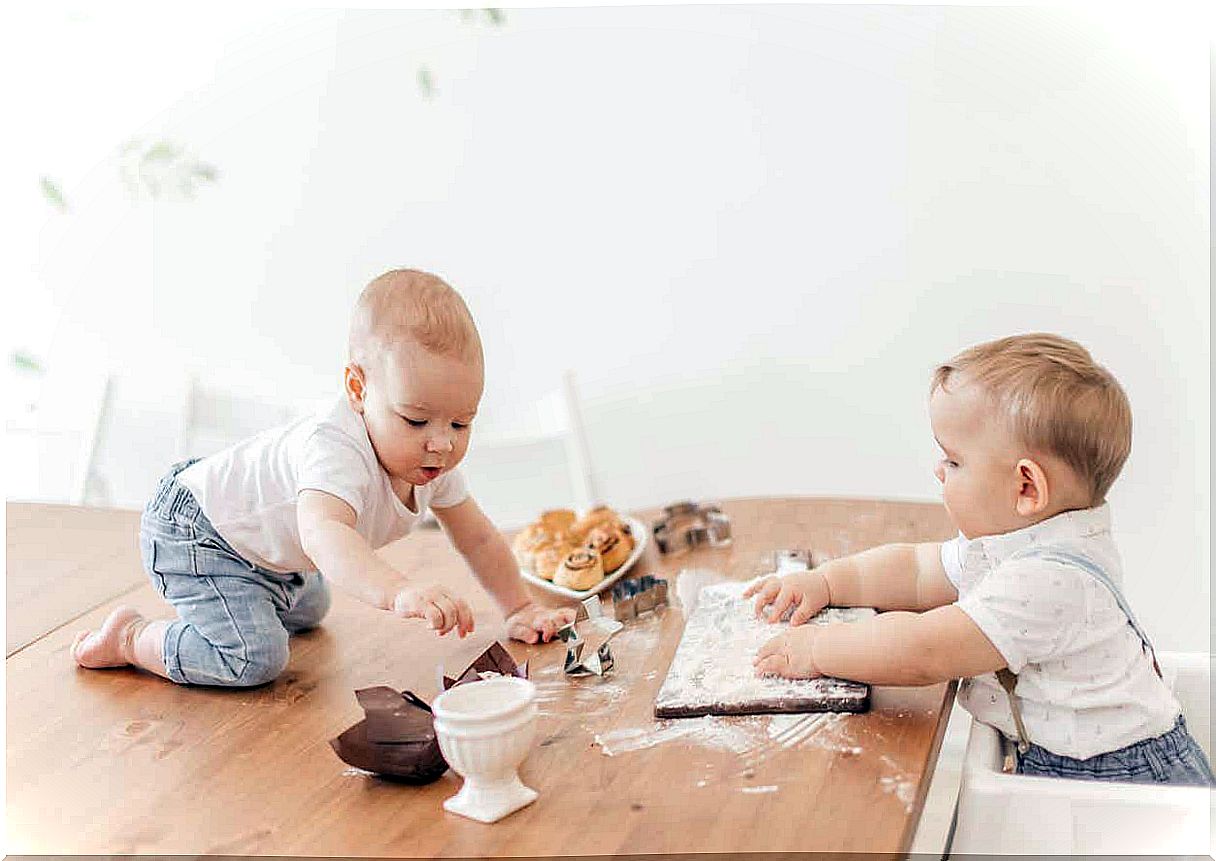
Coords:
1033,433
242,543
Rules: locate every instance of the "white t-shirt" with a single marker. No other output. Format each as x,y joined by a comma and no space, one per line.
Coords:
248,491
1085,683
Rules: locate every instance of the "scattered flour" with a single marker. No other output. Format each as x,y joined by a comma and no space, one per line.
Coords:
903,789
756,790
713,666
737,735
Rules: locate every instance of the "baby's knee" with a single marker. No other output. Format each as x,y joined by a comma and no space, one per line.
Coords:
311,606
261,663
265,663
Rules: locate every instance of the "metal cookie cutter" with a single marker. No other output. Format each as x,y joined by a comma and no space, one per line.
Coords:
684,525
789,561
631,598
587,651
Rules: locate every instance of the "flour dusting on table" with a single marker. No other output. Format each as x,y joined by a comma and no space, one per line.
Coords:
712,671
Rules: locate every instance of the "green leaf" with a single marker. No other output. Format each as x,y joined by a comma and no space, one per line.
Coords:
426,82
52,193
161,151
23,361
202,170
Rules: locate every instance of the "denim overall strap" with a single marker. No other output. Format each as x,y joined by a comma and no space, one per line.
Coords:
1063,557
1009,680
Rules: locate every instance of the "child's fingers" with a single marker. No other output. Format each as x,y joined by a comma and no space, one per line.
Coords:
774,665
785,599
434,616
464,617
802,614
566,615
525,633
759,586
451,616
767,592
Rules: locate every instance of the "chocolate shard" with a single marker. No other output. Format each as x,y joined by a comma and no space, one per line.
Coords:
395,739
495,659
394,718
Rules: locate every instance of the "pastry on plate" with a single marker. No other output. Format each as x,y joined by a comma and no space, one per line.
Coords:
581,569
527,542
549,555
558,519
614,546
601,515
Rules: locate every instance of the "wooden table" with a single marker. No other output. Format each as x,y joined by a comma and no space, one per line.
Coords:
120,762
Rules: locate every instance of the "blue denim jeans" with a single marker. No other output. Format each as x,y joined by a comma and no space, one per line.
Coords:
234,617
1173,757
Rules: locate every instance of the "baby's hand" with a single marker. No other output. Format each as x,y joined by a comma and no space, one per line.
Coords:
531,623
433,603
789,654
807,589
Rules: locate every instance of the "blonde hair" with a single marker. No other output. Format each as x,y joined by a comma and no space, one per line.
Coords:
1056,398
411,305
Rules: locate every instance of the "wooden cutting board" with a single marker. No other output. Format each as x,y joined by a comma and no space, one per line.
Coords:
712,672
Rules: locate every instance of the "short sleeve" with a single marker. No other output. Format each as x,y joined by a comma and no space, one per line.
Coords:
333,464
952,560
451,489
1027,609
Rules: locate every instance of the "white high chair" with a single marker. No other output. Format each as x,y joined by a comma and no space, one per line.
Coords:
1002,813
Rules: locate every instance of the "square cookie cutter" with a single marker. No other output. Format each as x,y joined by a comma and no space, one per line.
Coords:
631,598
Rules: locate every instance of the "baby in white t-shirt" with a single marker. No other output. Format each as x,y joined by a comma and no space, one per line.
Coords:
242,543
1033,433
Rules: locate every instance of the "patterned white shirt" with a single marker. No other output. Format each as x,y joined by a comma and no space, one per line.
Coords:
1086,682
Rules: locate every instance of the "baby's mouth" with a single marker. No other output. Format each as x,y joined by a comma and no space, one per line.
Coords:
431,471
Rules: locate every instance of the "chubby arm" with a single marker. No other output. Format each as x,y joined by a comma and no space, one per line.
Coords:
898,648
328,536
891,577
888,577
493,564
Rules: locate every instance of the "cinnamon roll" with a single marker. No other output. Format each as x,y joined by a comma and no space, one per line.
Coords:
614,545
549,555
580,569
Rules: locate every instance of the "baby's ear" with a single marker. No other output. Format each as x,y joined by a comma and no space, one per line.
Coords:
1033,493
354,384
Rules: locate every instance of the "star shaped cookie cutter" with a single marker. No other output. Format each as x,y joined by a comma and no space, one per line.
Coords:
587,650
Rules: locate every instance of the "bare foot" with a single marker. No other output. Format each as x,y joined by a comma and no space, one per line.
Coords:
109,646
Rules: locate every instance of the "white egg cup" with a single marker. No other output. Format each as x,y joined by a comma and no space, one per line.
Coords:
485,730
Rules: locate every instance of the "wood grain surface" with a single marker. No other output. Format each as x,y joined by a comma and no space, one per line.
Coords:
120,762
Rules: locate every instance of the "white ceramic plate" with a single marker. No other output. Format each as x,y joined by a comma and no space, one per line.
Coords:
641,534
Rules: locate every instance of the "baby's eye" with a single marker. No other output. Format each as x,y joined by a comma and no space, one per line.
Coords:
459,425
415,423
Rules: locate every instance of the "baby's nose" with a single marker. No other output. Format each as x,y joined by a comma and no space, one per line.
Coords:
440,444
939,472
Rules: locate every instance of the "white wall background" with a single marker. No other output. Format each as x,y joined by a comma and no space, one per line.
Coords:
752,231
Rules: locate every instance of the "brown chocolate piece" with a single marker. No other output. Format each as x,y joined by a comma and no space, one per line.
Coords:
395,739
495,659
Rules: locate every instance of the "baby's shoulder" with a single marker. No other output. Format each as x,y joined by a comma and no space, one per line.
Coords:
1050,578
